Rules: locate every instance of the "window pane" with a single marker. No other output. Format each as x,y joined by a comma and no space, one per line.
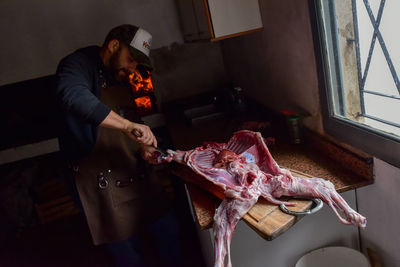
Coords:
390,31
363,62
379,78
390,112
358,71
365,32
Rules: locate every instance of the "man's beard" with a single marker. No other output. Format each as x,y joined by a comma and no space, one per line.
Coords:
120,74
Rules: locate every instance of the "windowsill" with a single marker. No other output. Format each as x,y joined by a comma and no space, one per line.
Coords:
320,157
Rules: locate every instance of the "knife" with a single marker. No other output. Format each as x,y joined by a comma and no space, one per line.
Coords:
163,152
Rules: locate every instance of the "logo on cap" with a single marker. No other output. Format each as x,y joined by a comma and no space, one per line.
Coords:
142,41
146,45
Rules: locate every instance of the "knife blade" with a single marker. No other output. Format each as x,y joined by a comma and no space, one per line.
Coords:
162,151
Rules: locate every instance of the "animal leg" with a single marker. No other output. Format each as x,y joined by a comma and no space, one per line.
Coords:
225,219
325,190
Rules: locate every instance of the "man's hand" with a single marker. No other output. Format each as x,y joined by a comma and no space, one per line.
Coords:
149,154
140,133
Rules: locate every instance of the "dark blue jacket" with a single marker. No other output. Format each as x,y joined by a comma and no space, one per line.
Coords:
77,92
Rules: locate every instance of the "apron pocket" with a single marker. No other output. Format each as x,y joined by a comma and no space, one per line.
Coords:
124,190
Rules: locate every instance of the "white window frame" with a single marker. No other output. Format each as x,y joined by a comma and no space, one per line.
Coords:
373,141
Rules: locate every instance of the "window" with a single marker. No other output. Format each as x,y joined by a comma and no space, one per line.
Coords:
358,51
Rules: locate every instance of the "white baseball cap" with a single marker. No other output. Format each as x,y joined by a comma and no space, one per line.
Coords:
137,39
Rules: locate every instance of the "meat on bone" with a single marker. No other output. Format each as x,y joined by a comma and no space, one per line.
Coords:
244,169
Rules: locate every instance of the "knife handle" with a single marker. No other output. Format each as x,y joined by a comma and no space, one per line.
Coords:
136,133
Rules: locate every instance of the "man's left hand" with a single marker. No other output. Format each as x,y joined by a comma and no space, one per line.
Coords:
149,154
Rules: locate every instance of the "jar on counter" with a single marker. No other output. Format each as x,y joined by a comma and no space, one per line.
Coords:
293,125
294,128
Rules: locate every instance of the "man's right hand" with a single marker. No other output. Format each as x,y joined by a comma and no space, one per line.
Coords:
137,132
140,133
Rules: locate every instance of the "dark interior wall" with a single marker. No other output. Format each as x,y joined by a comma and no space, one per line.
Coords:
277,66
38,34
183,70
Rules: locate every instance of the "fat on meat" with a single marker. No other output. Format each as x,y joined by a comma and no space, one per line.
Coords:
245,170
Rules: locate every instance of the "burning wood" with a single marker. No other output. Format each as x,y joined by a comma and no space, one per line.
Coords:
141,82
143,103
142,89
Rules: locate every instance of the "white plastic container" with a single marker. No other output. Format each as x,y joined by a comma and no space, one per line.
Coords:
333,257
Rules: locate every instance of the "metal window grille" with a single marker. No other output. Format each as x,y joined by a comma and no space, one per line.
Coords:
362,76
382,141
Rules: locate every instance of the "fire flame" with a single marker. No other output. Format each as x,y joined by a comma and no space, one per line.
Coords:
140,83
143,103
142,88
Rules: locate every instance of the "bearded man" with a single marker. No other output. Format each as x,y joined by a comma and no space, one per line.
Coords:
101,146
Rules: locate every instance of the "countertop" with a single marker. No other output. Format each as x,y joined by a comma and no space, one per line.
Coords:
314,157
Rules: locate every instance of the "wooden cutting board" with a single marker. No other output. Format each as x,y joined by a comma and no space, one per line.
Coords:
265,218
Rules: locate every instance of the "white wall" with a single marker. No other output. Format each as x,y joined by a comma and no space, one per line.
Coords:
35,35
380,203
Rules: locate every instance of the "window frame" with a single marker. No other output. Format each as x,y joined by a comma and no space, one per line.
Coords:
373,141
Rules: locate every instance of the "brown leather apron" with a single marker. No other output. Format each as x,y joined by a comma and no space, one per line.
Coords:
118,197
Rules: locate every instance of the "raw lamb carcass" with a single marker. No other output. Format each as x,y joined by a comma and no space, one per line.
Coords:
244,169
